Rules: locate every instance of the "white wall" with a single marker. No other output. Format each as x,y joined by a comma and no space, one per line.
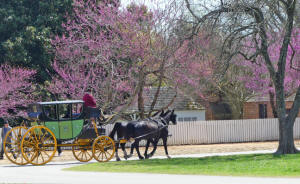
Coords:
198,114
225,131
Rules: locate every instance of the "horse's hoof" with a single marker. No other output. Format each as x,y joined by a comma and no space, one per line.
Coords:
168,157
141,158
118,159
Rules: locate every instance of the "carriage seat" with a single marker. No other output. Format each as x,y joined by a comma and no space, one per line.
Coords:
34,115
75,115
91,112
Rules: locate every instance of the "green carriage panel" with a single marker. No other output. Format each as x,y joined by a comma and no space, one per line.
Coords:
65,130
77,127
53,126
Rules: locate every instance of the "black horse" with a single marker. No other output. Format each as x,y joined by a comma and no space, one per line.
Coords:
151,129
122,133
164,134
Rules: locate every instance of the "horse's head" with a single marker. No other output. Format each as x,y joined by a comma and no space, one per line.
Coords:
169,116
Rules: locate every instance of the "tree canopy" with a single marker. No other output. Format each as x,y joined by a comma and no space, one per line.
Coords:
261,22
26,27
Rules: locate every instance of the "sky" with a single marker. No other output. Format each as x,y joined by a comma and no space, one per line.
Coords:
149,3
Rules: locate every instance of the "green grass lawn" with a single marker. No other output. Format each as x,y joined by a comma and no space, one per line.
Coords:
236,165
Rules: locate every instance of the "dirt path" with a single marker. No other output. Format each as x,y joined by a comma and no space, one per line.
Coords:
190,149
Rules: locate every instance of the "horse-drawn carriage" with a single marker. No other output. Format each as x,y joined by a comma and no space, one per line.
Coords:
58,124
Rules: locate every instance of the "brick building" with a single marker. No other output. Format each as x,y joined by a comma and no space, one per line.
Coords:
255,108
262,109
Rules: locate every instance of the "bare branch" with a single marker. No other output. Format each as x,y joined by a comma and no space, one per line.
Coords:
252,57
292,58
188,5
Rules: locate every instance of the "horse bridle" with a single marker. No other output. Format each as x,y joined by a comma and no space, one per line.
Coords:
161,119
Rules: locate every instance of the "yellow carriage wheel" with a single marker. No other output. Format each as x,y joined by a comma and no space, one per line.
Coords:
103,148
12,145
38,145
82,151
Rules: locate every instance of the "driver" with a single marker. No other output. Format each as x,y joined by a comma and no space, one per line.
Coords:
89,100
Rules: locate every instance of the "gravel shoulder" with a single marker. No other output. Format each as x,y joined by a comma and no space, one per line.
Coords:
189,149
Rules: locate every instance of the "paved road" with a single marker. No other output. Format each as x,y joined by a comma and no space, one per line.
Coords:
52,174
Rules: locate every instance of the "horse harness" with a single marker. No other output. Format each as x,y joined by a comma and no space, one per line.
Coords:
141,136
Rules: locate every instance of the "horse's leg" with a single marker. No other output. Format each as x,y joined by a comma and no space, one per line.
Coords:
117,155
131,150
146,148
136,145
154,143
165,138
124,150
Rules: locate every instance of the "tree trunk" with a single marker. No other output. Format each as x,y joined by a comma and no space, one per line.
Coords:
272,102
286,138
140,96
237,110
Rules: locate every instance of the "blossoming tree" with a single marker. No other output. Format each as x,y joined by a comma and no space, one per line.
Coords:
116,52
15,91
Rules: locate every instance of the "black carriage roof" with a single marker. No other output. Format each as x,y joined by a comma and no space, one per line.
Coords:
60,102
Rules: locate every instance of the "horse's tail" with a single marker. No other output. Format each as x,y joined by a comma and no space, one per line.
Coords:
116,128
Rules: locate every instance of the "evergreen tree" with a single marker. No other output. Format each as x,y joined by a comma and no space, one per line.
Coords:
26,27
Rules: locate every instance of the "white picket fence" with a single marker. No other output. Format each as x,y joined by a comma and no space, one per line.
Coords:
224,131
227,131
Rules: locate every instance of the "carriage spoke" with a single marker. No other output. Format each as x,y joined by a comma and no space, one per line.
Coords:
22,159
29,143
11,138
80,153
105,155
46,153
101,156
35,136
19,131
34,155
9,144
48,138
98,156
14,133
42,157
43,138
85,156
31,138
89,154
11,150
108,154
76,151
